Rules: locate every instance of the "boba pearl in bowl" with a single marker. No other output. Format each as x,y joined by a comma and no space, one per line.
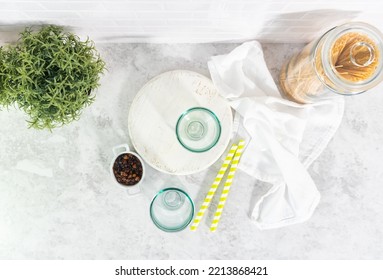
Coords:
127,169
198,129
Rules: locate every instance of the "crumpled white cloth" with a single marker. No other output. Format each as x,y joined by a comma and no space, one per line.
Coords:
283,138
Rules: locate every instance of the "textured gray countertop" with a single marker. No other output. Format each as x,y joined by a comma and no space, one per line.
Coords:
57,200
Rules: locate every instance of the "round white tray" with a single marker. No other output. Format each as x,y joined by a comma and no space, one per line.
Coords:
153,117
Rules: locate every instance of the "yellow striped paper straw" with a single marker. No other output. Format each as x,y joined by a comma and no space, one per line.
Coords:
226,187
213,187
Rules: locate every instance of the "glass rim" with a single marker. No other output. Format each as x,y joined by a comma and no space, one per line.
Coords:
332,35
173,229
218,136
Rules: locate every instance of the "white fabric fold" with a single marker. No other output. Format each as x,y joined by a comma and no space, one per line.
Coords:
283,137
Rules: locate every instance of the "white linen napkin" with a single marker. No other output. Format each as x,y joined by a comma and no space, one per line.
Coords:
283,137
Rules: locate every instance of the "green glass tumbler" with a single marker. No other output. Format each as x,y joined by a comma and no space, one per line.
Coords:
198,129
172,209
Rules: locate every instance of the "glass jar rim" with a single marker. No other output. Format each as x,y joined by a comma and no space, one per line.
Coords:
348,88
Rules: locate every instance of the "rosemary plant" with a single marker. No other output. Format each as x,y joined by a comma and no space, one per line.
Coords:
50,74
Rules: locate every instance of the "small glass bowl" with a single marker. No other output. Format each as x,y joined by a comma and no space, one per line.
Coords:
198,129
172,210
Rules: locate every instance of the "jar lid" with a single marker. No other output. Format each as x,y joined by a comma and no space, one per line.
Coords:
172,210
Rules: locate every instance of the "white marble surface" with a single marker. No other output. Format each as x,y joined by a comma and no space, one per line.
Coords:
57,200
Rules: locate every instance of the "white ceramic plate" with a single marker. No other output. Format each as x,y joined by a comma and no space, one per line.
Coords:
153,117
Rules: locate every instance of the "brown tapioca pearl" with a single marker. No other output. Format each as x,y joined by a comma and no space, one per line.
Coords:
127,169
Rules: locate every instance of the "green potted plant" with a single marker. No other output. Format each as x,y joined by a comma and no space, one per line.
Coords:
49,74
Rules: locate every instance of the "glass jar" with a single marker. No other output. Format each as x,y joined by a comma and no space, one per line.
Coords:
345,60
